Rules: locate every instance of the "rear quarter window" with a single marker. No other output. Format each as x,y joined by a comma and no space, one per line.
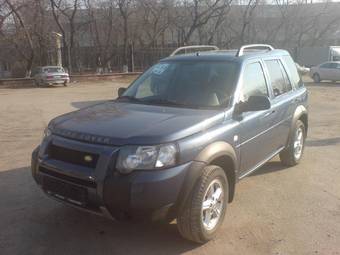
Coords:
293,72
278,77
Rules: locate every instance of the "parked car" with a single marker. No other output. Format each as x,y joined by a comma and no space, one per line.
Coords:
326,71
312,56
49,75
174,144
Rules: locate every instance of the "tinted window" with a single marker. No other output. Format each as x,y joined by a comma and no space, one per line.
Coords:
278,77
186,83
54,70
254,82
294,74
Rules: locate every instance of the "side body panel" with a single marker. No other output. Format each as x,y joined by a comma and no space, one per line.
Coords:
256,133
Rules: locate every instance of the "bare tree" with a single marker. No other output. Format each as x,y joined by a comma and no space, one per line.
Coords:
246,19
15,10
208,32
193,14
103,31
155,20
111,28
126,8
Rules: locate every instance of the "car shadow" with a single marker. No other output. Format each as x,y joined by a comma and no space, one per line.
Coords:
31,223
83,104
323,142
269,167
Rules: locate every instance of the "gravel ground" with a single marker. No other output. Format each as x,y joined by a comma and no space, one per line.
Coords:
275,211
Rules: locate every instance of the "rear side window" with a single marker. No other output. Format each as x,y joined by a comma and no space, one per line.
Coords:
254,82
327,65
278,77
333,65
294,74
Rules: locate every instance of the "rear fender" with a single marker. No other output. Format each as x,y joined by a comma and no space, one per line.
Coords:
299,112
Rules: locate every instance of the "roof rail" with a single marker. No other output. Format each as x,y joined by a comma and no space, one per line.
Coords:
185,48
241,50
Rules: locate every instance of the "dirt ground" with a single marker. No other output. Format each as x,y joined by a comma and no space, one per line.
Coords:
275,211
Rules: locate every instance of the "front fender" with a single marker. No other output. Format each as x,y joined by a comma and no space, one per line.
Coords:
216,150
205,157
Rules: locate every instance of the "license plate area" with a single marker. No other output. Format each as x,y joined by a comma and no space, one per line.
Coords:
65,191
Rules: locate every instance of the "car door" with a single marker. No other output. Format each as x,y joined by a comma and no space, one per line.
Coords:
254,137
337,72
283,102
325,71
333,71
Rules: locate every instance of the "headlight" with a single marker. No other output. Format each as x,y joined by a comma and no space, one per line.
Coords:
146,157
47,132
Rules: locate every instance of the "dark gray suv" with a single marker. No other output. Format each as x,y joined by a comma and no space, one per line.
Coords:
174,144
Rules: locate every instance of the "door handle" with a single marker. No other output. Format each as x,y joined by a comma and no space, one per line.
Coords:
269,113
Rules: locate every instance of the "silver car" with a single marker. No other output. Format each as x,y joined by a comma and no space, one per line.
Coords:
49,75
326,71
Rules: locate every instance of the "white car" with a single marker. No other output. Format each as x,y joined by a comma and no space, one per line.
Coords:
49,75
326,71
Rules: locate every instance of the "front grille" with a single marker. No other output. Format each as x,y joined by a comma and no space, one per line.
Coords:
65,191
72,156
74,180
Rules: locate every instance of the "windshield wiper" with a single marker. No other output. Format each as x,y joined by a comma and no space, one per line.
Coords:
129,98
157,102
167,103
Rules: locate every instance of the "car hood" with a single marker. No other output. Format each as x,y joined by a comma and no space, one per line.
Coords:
119,123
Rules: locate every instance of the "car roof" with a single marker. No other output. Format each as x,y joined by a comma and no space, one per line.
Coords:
226,55
336,62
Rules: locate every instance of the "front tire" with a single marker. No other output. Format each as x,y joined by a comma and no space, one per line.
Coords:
292,155
204,212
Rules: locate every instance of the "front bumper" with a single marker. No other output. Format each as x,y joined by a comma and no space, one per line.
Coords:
103,190
56,81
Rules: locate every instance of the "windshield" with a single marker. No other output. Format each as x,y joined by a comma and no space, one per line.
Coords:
54,70
188,84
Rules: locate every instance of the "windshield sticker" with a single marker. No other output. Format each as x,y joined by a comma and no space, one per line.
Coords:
160,68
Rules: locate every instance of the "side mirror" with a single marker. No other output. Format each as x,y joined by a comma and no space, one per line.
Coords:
121,91
253,104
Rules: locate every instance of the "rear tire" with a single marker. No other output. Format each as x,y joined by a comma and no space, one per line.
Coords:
292,155
316,78
205,209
